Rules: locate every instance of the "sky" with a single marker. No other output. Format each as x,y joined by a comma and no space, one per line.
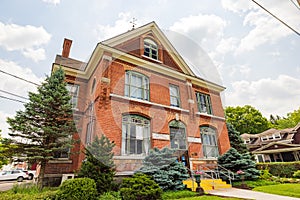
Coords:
252,54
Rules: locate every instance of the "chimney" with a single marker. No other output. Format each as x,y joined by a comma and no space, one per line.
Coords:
66,48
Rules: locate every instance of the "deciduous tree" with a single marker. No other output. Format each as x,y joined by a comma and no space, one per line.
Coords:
246,119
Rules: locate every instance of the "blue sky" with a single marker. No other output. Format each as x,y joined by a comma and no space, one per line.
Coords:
256,57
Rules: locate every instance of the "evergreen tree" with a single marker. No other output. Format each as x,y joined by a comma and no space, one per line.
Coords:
166,171
235,139
234,161
45,128
99,164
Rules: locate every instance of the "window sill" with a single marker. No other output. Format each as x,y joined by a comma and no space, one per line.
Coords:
130,157
208,115
61,160
152,59
148,102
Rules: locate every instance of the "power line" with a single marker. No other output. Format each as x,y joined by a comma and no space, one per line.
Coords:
276,18
13,94
11,99
19,78
296,4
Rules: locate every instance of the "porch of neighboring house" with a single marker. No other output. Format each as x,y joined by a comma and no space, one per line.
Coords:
278,155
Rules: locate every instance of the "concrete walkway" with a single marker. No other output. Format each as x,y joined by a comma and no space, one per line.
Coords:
249,194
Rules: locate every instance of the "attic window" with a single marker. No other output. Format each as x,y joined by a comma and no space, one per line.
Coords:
150,49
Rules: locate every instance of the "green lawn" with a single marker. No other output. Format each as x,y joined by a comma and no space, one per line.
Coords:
289,189
208,198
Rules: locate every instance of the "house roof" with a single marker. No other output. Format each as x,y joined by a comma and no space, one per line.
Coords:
82,70
278,147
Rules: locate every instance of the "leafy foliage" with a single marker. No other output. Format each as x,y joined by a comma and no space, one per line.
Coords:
78,188
140,187
46,125
290,121
235,161
235,139
246,119
280,169
99,164
165,170
296,174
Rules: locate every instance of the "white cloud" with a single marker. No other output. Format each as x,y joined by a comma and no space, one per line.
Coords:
27,39
120,26
55,2
270,96
227,45
15,86
261,33
205,28
35,54
237,6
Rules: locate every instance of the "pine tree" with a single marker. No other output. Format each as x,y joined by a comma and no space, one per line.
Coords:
235,139
45,128
235,162
99,164
166,171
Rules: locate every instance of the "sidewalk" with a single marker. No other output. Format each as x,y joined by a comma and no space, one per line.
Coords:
249,194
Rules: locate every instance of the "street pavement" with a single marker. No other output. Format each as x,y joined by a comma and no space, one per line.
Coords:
7,185
249,194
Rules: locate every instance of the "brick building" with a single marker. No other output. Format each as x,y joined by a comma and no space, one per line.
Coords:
138,91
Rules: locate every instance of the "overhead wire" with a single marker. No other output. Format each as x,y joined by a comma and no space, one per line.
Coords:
23,79
276,18
13,94
295,4
11,99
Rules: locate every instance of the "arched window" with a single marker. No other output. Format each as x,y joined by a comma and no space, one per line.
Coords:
209,141
150,49
135,135
136,85
177,135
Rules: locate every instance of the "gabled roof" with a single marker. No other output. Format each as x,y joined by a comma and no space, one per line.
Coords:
152,26
287,148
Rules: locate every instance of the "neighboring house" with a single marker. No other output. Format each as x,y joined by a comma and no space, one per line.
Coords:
139,92
275,145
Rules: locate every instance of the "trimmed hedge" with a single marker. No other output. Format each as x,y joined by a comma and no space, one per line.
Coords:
77,189
281,169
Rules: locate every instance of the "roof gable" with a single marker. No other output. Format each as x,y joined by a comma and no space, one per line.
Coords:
130,41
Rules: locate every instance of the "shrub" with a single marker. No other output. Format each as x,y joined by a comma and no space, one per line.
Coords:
165,170
265,175
235,162
140,187
99,164
110,196
296,174
77,189
281,169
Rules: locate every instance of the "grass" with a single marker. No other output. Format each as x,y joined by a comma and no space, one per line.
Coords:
256,183
189,195
208,197
289,189
27,192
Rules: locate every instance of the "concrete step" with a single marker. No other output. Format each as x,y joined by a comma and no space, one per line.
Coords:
207,184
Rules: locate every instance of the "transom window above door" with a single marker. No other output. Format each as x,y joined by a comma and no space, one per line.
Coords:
150,49
136,85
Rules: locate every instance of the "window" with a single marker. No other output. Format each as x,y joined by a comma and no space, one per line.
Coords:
62,153
135,135
204,103
277,136
177,135
136,85
209,141
174,96
90,125
74,91
150,49
264,138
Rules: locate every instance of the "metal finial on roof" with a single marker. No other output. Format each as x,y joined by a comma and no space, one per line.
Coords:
133,22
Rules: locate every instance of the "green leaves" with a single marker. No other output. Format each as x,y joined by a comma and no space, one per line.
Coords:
246,119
